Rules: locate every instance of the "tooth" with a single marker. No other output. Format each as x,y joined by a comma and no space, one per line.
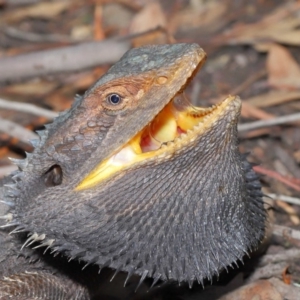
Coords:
184,135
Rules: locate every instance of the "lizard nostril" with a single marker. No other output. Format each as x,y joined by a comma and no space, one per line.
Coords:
53,176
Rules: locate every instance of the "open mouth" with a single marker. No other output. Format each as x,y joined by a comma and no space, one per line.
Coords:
178,124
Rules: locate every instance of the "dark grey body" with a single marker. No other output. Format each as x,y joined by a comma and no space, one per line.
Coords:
182,217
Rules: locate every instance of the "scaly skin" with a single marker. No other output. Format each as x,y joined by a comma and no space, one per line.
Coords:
184,214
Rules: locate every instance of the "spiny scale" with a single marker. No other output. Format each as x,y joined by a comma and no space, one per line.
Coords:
35,143
18,229
11,190
21,163
116,272
129,274
10,224
143,277
32,239
7,217
17,176
48,244
8,203
155,280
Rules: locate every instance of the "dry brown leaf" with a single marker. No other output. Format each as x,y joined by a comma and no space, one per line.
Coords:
279,26
288,292
283,70
46,10
260,290
273,98
199,14
150,17
288,37
58,100
81,32
116,17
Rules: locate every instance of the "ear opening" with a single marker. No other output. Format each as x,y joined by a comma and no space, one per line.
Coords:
53,176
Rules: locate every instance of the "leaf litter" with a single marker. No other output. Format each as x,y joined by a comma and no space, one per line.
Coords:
253,50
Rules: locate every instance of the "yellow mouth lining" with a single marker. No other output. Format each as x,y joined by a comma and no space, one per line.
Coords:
175,119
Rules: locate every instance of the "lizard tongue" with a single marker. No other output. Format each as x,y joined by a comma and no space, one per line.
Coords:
176,118
161,130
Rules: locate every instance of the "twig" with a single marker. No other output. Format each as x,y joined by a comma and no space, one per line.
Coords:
267,271
272,98
19,2
291,182
66,59
272,122
28,108
284,231
249,110
288,199
16,131
35,37
290,254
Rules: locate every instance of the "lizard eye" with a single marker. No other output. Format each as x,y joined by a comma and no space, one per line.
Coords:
114,99
114,102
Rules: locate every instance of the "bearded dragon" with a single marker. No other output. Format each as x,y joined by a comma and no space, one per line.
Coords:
135,178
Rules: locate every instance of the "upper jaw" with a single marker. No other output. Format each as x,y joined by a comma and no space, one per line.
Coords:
157,95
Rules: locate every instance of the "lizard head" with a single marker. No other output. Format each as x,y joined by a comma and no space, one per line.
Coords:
135,178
